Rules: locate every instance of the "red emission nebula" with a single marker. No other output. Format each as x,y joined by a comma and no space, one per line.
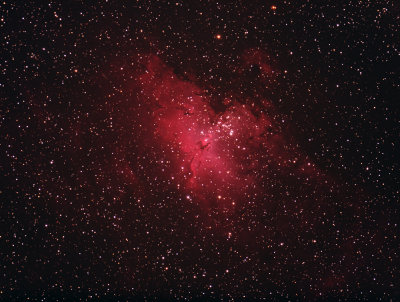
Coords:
199,151
237,173
215,158
224,162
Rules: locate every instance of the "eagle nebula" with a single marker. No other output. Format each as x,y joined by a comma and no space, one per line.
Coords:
173,151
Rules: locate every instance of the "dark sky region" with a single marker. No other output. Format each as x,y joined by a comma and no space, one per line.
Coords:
199,150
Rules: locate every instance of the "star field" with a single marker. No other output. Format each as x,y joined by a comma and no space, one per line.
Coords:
199,150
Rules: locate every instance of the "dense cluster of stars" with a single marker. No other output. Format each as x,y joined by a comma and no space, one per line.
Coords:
199,150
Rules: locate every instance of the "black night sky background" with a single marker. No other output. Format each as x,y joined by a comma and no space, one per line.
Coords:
199,150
